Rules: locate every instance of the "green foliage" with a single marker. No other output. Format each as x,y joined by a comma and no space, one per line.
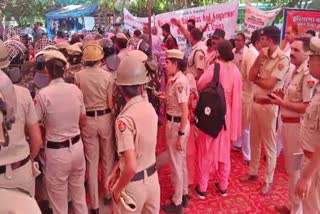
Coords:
27,11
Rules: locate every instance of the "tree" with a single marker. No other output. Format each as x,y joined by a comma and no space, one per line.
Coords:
24,11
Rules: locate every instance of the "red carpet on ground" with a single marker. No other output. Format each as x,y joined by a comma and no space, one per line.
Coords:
242,198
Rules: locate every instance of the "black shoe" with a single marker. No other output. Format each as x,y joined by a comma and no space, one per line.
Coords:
94,211
185,201
236,148
173,209
107,201
201,195
223,193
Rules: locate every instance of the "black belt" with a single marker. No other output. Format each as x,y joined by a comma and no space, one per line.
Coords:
98,113
15,165
63,144
140,175
175,119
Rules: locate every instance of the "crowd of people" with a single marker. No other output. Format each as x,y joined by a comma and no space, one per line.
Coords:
97,99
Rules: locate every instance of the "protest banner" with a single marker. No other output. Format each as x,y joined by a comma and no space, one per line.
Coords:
256,19
224,16
302,19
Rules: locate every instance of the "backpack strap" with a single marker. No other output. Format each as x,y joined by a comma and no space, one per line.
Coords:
216,74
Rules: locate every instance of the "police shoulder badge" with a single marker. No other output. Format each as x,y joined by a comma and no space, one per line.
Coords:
280,66
122,126
310,83
180,88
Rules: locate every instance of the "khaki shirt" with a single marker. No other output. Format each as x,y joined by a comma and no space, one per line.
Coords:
178,91
197,59
136,129
276,65
96,85
300,88
59,106
25,117
310,126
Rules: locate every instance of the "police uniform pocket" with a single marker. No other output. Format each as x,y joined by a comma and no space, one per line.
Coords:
294,93
313,118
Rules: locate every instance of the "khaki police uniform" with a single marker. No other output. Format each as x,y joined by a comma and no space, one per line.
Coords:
264,117
14,201
136,129
299,90
178,91
310,140
197,59
15,163
96,85
72,70
59,106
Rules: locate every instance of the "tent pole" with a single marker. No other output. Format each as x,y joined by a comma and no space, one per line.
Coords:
149,20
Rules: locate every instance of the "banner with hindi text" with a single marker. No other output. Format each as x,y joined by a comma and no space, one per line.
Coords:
302,19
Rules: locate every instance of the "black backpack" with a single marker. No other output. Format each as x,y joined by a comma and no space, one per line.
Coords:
211,108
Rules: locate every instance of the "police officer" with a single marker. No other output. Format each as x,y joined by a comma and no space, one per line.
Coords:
197,58
177,127
296,99
22,202
61,109
135,176
96,85
75,54
16,155
308,187
267,73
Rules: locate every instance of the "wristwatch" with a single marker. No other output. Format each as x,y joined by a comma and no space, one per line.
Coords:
180,133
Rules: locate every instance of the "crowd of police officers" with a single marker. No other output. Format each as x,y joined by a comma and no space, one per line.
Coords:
88,107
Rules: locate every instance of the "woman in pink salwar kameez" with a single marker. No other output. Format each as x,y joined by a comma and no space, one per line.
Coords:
214,154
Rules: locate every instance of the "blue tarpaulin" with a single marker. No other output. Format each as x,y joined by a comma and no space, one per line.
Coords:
72,11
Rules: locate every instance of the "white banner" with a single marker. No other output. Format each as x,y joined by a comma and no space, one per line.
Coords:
224,15
256,19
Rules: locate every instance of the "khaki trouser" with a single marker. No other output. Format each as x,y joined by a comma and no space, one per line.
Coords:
97,136
178,160
290,139
65,169
145,193
13,201
263,131
19,178
312,203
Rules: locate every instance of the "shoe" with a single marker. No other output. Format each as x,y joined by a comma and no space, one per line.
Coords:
173,209
246,162
94,211
236,148
266,189
282,209
185,201
223,193
107,201
248,178
201,195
